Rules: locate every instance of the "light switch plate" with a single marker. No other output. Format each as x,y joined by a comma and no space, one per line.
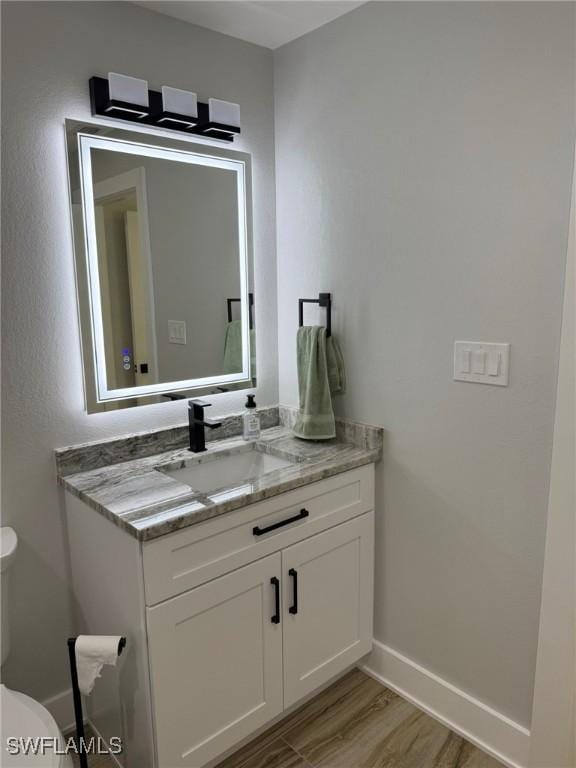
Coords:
481,362
177,331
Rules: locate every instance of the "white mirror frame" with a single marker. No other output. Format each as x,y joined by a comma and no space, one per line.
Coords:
197,156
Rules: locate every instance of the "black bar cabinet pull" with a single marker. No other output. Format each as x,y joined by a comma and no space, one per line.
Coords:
276,584
294,607
257,531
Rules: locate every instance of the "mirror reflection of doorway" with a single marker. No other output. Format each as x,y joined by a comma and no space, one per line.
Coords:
125,279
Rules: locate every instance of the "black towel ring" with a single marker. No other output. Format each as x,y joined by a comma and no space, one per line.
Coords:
323,300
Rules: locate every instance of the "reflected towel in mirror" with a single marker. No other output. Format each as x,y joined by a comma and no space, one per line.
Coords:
233,349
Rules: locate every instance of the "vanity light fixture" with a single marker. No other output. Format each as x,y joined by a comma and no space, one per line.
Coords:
128,98
128,95
179,108
223,120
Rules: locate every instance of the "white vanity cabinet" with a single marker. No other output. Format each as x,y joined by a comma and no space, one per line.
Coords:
216,664
234,620
327,617
230,655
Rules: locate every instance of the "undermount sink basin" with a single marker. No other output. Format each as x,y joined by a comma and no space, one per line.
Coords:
216,472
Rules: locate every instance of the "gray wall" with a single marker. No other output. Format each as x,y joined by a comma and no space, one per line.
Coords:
49,51
423,160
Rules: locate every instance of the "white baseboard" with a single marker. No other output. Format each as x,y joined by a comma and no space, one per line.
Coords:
61,707
488,729
493,732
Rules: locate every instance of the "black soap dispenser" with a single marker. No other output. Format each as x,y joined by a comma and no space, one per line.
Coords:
251,420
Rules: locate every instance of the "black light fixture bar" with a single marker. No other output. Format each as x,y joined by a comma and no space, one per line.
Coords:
219,131
214,130
102,104
127,111
175,121
155,115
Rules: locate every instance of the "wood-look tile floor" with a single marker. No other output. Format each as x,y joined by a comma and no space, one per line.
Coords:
358,723
94,760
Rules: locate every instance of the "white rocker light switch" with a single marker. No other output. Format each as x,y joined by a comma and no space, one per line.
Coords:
493,363
479,361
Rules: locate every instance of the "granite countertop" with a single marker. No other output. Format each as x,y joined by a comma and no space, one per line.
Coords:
138,496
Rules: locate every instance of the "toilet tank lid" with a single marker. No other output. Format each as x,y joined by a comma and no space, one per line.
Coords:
8,545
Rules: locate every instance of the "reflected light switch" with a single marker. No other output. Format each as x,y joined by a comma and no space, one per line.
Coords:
176,331
481,362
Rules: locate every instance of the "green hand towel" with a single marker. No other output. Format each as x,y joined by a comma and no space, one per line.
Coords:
233,349
336,370
320,375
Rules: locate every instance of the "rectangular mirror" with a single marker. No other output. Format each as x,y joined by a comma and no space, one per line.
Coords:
162,233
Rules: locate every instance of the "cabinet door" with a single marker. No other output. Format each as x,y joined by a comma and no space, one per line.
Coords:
328,604
216,664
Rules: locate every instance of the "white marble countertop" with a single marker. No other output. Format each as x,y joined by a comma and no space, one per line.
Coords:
142,499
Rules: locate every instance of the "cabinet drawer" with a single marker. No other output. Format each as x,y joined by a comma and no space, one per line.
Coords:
180,561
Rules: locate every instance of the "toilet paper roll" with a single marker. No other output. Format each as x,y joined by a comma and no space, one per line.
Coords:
92,652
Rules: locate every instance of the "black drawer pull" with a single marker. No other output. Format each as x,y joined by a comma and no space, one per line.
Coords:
276,584
294,607
257,531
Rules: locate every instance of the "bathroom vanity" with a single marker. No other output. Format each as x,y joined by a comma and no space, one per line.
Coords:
242,577
239,596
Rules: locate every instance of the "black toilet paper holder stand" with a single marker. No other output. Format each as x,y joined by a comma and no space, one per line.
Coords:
78,714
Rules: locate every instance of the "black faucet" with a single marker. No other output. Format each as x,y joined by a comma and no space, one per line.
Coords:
196,425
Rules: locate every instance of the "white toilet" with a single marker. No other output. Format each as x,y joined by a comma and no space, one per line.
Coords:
22,717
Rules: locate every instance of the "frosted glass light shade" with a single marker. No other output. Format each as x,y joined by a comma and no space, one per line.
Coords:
224,112
131,90
179,102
